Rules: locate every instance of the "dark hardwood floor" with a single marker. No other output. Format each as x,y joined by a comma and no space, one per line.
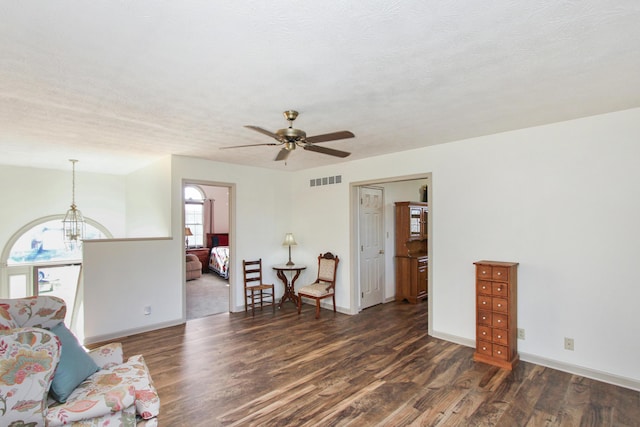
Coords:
378,368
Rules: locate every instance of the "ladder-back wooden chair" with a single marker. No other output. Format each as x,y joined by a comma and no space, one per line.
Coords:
256,292
325,284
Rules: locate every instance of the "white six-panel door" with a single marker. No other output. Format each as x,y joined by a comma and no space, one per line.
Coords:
372,260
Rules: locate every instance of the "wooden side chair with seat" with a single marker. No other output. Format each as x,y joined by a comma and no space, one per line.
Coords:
325,284
256,292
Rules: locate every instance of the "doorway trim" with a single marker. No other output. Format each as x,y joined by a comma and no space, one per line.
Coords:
354,238
232,239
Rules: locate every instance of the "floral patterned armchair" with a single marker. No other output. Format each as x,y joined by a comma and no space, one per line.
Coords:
32,358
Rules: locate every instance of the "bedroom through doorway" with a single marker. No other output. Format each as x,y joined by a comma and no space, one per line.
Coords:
206,225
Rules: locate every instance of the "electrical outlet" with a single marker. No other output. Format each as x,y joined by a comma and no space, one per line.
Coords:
568,343
147,310
520,333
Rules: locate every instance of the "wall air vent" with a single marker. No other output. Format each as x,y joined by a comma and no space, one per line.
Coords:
327,180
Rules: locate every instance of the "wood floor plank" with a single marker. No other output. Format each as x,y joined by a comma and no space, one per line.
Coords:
377,368
522,407
606,400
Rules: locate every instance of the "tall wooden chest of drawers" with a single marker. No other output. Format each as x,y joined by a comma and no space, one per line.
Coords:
496,313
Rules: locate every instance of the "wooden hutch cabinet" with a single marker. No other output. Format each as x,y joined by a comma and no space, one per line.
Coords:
411,251
496,313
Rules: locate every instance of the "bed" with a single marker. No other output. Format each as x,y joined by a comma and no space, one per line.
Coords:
219,256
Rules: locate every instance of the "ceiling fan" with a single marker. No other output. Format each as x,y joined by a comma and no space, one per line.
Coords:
291,137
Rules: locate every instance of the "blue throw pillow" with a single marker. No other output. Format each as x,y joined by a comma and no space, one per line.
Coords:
74,367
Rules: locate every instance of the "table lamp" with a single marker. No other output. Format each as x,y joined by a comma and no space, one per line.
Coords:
289,241
187,232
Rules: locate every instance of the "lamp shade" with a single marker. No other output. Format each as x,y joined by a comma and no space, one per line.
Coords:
289,240
187,232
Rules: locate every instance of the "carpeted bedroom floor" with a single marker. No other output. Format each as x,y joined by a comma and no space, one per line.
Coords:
206,296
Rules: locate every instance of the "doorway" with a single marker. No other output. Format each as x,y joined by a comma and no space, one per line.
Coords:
207,217
407,188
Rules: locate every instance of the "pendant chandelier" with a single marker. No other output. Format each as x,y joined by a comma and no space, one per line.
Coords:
73,223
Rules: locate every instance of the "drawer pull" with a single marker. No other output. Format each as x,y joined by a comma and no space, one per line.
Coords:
484,272
499,305
484,287
499,321
484,348
499,352
499,337
499,273
484,318
484,333
499,289
484,302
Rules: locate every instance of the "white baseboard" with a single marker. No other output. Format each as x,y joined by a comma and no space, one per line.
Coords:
582,371
555,364
121,334
454,338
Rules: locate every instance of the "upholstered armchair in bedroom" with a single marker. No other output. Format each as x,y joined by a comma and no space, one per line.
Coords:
48,379
193,267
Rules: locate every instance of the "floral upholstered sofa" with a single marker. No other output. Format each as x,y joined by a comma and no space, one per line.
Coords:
48,379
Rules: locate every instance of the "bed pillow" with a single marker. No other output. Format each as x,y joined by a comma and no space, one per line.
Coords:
74,367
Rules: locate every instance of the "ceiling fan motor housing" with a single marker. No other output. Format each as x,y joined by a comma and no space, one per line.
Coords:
291,135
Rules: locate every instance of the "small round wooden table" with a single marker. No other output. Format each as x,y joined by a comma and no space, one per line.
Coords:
289,290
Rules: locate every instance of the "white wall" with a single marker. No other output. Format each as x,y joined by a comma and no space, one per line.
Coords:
149,200
123,276
321,222
220,196
559,199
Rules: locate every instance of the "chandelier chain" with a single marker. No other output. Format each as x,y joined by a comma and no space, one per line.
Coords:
73,182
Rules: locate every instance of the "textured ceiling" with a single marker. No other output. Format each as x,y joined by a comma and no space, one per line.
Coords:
117,84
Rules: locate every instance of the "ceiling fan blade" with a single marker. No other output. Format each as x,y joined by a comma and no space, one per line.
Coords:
249,145
282,154
263,131
325,150
343,134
